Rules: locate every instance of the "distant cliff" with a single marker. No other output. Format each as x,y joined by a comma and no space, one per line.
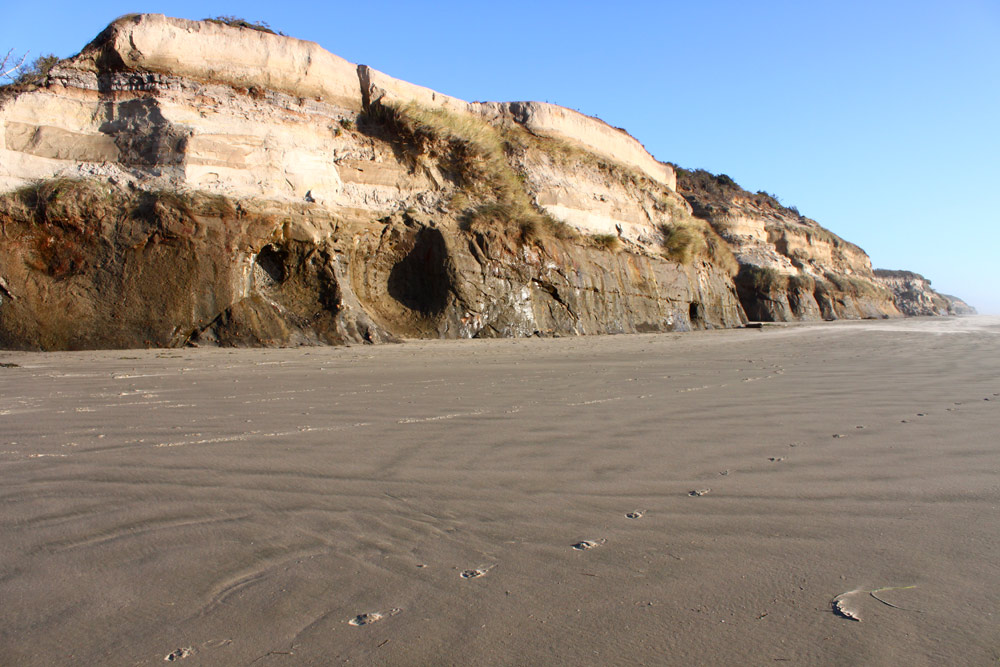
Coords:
791,268
914,296
183,182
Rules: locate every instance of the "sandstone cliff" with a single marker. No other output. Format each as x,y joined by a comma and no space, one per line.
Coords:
182,181
914,296
791,268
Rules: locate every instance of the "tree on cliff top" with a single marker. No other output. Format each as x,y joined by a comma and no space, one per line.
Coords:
15,71
10,66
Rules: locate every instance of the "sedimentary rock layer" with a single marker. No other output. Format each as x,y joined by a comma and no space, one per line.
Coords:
242,187
791,268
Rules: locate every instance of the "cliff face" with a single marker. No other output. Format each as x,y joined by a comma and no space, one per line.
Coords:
957,306
183,181
246,188
914,296
791,268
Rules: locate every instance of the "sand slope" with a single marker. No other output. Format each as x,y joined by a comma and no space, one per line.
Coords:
244,506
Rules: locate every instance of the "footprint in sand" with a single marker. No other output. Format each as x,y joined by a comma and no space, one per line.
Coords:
179,654
583,545
371,617
478,572
699,492
636,514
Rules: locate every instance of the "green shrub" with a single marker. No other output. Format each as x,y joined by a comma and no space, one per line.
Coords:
33,73
709,194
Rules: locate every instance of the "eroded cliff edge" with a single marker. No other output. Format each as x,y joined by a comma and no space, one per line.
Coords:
183,181
791,268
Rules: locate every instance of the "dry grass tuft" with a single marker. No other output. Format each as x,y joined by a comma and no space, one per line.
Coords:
763,279
801,283
69,203
61,222
854,286
491,192
64,216
609,242
525,226
683,242
687,239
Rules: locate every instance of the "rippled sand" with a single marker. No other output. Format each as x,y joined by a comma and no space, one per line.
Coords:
466,502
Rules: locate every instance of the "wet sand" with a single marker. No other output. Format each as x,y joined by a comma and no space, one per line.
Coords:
320,505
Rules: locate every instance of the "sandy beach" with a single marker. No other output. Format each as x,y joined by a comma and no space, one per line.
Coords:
419,504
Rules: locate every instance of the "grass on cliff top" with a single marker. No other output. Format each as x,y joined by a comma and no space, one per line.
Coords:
566,154
237,22
706,192
713,194
492,193
895,273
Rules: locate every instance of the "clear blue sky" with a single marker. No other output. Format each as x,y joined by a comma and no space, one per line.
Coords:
881,120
